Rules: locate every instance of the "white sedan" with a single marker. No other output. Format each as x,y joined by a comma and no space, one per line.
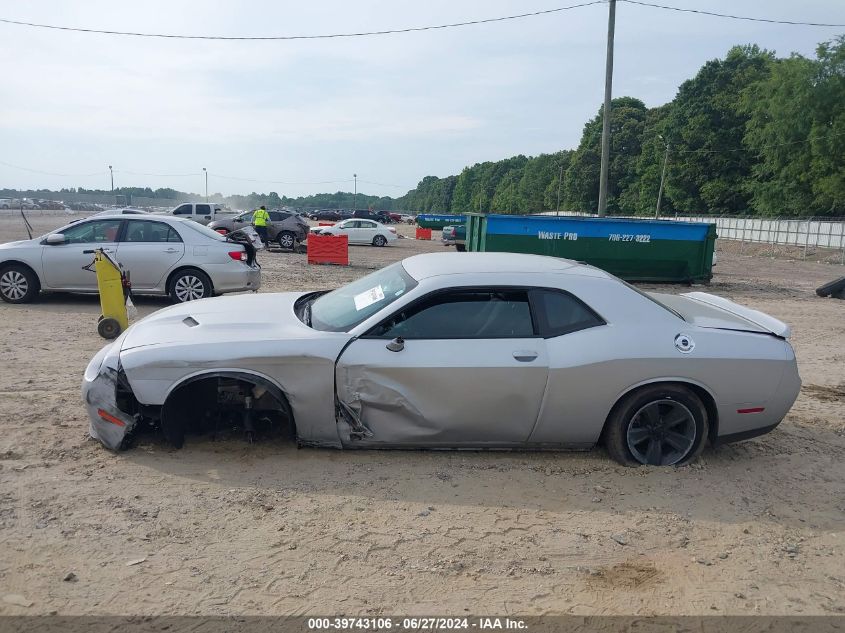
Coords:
359,231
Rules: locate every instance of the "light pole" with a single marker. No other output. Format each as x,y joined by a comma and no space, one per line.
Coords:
662,177
605,130
355,194
205,171
111,173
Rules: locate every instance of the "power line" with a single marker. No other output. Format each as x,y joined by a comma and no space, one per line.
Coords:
381,184
141,173
304,37
732,17
51,173
809,139
279,182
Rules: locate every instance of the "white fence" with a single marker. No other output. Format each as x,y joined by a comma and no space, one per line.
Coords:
806,233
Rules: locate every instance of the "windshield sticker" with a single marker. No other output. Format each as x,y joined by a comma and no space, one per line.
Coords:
368,297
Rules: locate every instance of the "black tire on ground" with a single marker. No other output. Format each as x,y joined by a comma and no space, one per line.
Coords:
286,240
108,328
379,240
662,425
189,285
18,284
461,248
835,288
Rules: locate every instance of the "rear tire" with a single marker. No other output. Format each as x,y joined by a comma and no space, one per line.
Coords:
190,285
18,284
660,425
379,240
286,240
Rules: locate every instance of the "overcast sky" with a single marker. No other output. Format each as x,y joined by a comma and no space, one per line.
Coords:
391,108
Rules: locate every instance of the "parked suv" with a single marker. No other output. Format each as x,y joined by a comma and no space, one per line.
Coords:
378,216
202,212
285,227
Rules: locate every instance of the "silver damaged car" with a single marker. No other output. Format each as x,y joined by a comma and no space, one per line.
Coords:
448,350
164,256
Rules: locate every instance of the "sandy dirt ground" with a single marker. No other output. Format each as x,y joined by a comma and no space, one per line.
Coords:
230,528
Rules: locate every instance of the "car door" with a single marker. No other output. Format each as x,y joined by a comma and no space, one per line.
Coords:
203,213
63,264
458,368
276,220
350,229
149,250
367,232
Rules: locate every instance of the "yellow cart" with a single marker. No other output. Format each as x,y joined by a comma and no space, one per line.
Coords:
113,284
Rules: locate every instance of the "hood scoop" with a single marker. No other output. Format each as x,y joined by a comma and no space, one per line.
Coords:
190,321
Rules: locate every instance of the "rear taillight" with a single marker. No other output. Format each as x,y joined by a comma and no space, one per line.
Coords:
238,256
221,231
391,229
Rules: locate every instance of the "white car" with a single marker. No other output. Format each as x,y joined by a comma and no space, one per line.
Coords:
359,231
164,255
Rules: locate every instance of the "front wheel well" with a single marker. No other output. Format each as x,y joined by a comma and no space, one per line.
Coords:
15,262
226,399
702,393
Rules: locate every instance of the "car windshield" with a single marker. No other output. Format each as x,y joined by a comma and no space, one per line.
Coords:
344,308
201,228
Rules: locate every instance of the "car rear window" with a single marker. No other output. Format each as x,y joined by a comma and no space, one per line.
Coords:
204,230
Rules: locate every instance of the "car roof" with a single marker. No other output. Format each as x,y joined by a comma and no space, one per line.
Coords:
169,219
435,264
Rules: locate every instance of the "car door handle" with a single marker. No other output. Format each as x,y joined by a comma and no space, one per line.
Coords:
525,356
172,250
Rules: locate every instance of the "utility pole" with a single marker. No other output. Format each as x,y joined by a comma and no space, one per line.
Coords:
605,130
559,181
662,178
111,173
355,195
205,171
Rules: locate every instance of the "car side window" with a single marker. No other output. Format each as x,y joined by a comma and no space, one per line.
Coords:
367,225
203,209
276,216
185,209
463,314
561,313
354,224
93,232
147,231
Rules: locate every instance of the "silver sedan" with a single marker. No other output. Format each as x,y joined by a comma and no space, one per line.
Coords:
164,256
475,350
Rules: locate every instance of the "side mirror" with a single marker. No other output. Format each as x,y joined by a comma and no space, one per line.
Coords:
396,345
55,238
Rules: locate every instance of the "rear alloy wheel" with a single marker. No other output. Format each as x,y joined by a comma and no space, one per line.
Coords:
286,240
190,285
663,425
18,284
379,240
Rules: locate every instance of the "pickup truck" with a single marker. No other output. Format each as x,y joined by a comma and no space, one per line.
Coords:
202,212
455,236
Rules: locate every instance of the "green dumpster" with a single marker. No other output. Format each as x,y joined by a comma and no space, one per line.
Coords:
634,250
437,220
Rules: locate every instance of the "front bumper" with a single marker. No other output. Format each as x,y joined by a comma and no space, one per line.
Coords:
108,423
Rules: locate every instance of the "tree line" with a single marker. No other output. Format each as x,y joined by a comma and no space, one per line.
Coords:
749,134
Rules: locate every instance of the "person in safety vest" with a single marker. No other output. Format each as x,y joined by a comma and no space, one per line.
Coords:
260,218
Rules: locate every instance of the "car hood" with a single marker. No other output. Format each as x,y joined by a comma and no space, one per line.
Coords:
235,319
